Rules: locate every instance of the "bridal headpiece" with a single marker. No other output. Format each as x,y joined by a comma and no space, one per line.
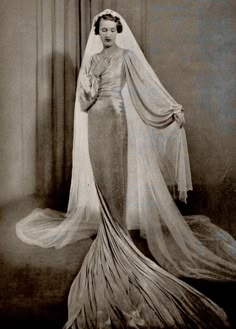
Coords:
105,12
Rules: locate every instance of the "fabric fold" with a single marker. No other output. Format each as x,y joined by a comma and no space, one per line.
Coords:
118,287
89,85
154,106
158,162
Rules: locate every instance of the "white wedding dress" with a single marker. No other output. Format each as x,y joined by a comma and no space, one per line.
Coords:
117,287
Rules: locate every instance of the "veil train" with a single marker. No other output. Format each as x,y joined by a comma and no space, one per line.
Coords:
157,163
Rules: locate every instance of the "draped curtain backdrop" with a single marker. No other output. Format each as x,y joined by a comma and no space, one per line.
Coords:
61,33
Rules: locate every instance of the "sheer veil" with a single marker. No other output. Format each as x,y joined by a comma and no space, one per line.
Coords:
157,164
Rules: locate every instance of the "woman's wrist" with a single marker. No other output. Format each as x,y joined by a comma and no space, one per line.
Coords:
177,108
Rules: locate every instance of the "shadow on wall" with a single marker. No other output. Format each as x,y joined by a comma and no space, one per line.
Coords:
56,86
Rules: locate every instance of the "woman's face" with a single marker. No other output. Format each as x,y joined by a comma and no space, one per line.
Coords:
107,32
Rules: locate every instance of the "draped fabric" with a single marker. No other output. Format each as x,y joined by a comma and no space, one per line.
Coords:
153,103
157,158
118,287
121,173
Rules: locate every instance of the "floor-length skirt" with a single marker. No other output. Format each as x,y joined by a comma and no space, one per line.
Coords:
117,286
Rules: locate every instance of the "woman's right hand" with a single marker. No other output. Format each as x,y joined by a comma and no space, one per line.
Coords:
100,67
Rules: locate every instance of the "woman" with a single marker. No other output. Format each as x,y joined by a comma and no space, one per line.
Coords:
124,103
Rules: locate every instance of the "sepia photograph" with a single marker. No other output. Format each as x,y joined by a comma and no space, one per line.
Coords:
118,164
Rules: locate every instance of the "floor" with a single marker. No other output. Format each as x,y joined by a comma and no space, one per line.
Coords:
34,282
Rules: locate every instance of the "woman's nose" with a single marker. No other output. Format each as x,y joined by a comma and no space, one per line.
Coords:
108,34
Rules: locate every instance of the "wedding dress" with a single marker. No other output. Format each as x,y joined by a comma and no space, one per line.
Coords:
127,151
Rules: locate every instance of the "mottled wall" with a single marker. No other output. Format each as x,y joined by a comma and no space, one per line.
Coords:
192,46
17,98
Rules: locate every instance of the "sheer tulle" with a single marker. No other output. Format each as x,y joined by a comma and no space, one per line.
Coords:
180,246
117,286
157,158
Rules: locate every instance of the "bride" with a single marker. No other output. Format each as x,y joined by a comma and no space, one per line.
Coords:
129,155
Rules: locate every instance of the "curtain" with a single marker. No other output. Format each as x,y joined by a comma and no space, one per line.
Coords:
62,31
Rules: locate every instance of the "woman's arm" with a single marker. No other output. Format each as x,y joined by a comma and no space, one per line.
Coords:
89,83
153,103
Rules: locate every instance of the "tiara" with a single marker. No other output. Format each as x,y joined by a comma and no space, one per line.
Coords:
105,12
108,11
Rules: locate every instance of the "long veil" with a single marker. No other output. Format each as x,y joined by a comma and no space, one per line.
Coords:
158,164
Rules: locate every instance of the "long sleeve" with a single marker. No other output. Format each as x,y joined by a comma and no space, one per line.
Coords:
152,102
89,84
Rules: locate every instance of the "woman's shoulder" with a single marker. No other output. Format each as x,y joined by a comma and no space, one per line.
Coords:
124,51
119,50
127,51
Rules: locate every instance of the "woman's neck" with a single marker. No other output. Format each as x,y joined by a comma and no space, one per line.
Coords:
109,50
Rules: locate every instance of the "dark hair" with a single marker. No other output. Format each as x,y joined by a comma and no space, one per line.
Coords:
108,17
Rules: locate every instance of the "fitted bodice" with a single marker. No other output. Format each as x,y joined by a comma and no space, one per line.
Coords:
112,79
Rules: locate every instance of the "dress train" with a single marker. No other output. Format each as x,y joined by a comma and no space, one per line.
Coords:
118,287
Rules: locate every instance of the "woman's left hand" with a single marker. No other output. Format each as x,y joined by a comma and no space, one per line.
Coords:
179,118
